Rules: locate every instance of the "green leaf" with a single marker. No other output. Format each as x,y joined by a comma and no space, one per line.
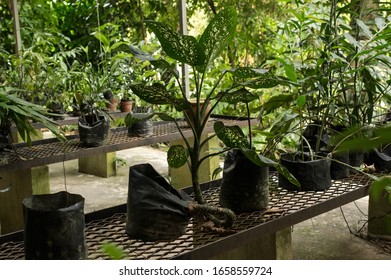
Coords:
139,54
102,38
158,94
301,100
261,160
277,101
183,48
378,187
365,28
266,80
231,136
216,172
132,119
165,117
357,139
289,69
247,72
113,251
217,35
285,172
257,158
241,95
155,94
158,63
283,124
177,156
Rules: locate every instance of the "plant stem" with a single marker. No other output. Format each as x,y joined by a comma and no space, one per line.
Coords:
250,137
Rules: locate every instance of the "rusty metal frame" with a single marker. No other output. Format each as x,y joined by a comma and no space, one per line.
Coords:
108,224
49,151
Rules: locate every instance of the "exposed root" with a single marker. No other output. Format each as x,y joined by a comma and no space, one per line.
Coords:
210,226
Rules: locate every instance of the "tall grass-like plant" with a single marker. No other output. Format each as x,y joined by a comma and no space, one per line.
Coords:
22,113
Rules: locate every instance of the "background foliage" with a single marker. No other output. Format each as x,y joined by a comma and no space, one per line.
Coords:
287,36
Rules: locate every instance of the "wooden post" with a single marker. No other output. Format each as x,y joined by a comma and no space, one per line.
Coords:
20,184
13,6
181,177
183,30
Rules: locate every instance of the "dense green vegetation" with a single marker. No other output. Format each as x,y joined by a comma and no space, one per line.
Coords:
336,53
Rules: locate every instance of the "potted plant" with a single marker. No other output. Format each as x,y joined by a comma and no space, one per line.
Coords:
198,54
245,182
379,203
126,103
139,122
340,80
93,122
111,100
21,113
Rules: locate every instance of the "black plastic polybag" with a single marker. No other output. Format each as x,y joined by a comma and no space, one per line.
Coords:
245,185
54,227
155,210
313,175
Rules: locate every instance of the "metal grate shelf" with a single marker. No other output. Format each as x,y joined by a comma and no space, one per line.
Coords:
48,151
293,207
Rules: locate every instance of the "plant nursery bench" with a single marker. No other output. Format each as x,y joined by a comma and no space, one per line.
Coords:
27,171
259,235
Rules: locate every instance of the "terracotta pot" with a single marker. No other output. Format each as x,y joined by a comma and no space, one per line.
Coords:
112,104
125,106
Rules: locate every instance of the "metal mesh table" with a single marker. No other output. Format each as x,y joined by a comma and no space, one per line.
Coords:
48,151
293,207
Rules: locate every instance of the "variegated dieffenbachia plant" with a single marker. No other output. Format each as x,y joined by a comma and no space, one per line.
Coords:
200,54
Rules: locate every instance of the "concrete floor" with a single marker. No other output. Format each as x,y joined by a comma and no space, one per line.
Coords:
326,236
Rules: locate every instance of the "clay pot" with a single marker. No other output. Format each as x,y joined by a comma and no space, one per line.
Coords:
125,106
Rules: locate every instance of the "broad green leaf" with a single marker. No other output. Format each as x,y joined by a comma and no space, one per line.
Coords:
247,72
118,44
301,100
102,38
257,158
163,64
289,69
139,54
282,125
277,101
357,139
261,160
378,187
267,80
241,95
231,136
155,94
217,35
216,172
165,117
285,172
183,48
177,156
158,63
